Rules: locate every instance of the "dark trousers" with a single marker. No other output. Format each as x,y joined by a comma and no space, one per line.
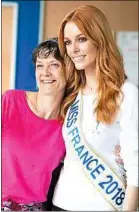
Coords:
55,175
55,208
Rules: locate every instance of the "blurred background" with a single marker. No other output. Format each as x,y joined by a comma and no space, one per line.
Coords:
27,23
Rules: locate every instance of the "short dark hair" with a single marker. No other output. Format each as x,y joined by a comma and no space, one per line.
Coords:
44,49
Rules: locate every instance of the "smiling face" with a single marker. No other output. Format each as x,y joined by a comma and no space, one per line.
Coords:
50,76
79,48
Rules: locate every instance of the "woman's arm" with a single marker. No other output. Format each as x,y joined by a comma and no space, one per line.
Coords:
131,199
129,145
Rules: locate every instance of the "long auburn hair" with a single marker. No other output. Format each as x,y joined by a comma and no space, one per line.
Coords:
109,63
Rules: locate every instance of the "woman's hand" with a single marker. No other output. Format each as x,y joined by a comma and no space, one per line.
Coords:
131,199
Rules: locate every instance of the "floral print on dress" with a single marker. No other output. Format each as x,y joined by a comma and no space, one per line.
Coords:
118,158
10,205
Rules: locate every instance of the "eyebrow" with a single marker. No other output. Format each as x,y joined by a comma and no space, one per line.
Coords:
76,36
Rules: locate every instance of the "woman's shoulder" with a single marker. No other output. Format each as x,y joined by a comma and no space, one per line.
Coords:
12,93
129,86
18,93
130,95
30,95
12,98
129,89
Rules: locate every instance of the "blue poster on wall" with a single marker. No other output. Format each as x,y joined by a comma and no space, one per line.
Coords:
29,34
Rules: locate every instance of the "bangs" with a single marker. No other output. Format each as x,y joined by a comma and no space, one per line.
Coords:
43,53
45,49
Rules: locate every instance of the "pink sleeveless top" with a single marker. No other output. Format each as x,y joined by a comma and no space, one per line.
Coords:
32,148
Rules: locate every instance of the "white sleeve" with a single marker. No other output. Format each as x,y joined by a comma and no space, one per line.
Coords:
129,133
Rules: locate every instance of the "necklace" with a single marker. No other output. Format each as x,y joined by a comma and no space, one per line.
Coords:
89,90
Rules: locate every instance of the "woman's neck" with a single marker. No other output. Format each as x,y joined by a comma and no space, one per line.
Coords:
49,106
45,106
91,82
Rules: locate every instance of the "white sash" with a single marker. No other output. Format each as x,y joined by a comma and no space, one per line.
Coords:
100,174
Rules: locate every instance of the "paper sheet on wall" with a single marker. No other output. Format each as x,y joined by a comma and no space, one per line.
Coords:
128,43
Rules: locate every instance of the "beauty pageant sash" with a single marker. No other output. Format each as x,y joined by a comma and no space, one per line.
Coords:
99,173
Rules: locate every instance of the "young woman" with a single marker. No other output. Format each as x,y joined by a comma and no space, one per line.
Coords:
32,143
100,130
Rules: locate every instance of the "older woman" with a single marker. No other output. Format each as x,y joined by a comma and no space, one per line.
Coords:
32,143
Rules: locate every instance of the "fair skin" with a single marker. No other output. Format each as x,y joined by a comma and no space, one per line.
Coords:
83,54
51,83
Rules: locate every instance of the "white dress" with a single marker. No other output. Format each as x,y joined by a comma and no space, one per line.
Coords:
117,143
